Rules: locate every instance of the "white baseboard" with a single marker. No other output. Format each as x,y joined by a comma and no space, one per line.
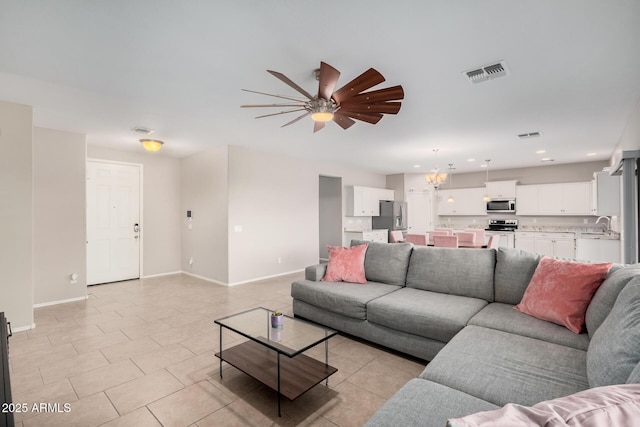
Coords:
45,304
206,279
172,273
217,282
23,328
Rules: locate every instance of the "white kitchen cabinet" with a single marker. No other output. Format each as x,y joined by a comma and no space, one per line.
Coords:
467,201
506,238
525,241
527,200
573,198
598,250
501,189
560,245
605,194
365,201
379,235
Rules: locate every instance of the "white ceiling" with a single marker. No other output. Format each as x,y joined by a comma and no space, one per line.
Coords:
101,68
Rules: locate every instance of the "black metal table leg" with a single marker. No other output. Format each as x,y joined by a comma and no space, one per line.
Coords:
279,397
220,351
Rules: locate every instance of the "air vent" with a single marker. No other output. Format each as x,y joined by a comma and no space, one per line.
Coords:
487,72
143,131
529,135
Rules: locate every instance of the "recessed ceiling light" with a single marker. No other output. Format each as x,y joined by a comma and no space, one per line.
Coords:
471,160
591,154
541,151
547,159
483,165
416,166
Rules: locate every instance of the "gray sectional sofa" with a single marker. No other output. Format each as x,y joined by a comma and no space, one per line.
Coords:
454,308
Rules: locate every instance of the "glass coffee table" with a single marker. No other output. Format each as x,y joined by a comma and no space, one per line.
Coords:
261,356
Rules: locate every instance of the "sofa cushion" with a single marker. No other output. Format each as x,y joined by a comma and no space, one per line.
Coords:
634,377
614,350
606,295
427,314
596,407
505,368
386,262
504,318
346,264
514,269
560,291
421,403
464,272
348,299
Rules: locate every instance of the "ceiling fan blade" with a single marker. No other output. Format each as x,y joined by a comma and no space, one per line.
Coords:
343,121
296,119
327,81
271,105
372,118
290,82
364,81
382,95
277,96
317,126
281,112
379,107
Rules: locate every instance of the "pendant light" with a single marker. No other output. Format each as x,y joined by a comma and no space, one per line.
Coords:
435,178
450,199
486,197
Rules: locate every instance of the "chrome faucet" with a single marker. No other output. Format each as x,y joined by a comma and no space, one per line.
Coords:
608,228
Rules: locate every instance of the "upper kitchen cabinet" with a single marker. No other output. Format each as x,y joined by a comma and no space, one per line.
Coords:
501,189
605,194
527,200
572,198
365,201
467,201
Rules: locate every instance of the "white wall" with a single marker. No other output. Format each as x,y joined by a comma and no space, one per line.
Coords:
275,200
161,183
205,194
630,139
16,214
59,215
330,211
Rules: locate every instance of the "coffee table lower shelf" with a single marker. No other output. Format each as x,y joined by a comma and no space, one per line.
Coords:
297,374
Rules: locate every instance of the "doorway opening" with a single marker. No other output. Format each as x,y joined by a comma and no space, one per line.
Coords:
330,193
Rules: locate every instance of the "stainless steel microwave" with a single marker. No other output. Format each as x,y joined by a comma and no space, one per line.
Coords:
501,205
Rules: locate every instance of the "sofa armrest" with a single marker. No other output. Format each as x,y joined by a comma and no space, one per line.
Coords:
315,273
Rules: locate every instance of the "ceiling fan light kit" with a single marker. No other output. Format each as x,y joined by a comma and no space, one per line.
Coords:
347,104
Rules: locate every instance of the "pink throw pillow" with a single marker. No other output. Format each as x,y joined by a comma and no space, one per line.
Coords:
346,264
560,291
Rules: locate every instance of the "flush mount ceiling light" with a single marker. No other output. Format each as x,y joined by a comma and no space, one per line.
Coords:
435,178
151,144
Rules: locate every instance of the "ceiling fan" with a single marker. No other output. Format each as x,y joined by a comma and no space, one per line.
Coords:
342,106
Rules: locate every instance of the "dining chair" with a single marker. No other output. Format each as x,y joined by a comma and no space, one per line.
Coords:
466,238
481,238
445,241
448,231
416,239
438,233
395,236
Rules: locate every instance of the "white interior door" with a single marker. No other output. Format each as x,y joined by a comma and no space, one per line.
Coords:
113,222
419,210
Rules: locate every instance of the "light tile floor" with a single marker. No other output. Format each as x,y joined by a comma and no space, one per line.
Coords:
141,353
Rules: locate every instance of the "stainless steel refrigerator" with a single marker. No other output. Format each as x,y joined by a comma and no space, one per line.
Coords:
393,216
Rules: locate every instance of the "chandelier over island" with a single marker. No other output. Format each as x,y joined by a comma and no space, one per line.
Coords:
436,178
